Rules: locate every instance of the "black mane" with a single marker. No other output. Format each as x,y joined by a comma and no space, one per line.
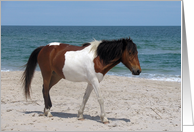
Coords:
109,51
85,44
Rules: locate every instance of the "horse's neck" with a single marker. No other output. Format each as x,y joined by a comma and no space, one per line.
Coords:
100,67
111,65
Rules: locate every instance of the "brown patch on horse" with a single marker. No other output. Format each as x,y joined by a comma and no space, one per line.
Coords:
100,67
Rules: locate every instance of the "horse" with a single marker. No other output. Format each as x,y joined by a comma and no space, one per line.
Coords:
87,63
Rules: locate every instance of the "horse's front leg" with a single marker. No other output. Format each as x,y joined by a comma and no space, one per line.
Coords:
85,99
100,100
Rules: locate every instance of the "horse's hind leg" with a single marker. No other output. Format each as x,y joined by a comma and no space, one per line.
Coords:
46,96
85,99
48,104
47,101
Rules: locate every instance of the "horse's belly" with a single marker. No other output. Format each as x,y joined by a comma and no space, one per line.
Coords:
73,73
74,76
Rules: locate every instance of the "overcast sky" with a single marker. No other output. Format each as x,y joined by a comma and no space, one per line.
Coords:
91,13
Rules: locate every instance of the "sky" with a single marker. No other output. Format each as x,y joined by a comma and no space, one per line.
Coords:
91,13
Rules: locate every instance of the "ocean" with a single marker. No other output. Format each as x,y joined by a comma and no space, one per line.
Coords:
159,47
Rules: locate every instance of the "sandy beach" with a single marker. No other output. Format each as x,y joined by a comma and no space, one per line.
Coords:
131,104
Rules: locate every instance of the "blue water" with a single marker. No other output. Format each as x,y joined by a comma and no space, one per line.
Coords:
159,47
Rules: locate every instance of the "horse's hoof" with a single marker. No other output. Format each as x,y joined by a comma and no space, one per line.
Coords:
81,119
49,115
104,120
107,122
47,112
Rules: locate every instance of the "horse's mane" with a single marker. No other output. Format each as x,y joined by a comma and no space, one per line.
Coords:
109,51
85,44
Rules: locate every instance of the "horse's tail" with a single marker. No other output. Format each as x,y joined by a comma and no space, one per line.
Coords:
29,71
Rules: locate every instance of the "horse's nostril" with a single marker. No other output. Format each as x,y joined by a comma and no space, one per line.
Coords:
134,72
138,71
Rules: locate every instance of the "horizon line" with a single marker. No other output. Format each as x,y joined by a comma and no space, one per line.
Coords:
91,25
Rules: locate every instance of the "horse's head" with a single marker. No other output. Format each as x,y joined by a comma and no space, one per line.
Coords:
130,57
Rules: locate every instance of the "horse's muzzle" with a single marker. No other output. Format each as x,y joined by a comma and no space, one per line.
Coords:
136,72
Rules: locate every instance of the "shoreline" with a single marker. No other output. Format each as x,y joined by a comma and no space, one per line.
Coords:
131,104
175,78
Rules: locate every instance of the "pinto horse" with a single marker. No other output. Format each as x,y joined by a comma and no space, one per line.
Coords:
87,63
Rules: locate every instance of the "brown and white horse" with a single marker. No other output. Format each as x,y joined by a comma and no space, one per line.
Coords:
87,63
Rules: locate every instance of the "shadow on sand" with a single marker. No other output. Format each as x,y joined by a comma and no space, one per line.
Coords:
70,115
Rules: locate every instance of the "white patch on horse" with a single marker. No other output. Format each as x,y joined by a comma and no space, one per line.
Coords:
79,65
54,43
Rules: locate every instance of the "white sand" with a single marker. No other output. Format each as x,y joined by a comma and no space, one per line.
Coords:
131,104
